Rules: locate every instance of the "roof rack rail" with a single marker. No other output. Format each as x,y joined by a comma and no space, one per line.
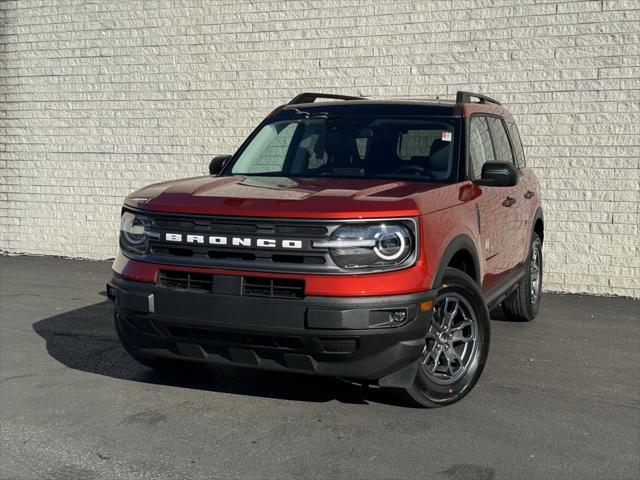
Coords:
311,97
465,97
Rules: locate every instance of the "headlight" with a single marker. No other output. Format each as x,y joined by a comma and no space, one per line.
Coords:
370,245
133,232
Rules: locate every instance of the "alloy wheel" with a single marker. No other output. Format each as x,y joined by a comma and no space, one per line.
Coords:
535,273
450,344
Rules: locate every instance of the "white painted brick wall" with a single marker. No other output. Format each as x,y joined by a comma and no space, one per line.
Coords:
99,98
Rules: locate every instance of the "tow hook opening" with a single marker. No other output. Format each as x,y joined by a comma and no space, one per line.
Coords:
112,293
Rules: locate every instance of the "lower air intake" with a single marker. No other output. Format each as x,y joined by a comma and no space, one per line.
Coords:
339,345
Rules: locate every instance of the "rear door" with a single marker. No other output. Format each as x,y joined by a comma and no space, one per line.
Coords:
530,184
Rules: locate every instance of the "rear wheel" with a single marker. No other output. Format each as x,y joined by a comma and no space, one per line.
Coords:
523,304
456,344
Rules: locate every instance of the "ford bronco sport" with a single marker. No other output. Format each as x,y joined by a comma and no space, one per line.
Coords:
359,239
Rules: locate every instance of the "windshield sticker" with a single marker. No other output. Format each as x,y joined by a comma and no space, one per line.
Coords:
446,136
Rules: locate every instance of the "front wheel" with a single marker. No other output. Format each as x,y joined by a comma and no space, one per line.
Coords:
456,344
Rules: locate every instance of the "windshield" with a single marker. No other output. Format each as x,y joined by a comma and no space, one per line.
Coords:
418,148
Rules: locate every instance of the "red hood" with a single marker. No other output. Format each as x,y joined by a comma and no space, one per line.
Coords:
286,197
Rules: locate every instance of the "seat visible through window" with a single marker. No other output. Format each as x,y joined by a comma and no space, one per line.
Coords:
440,159
342,153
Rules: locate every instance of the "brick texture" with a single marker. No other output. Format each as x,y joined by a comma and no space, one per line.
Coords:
99,98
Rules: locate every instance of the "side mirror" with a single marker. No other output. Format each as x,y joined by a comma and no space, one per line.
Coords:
498,174
218,163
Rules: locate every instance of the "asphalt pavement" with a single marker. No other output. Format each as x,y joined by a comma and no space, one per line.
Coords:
559,398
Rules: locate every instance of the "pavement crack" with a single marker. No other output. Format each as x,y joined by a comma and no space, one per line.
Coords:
15,377
587,398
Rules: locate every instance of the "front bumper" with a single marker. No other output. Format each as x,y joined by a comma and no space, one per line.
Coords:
332,336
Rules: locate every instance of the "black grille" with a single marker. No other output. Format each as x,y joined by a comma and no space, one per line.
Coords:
304,259
246,244
339,345
272,287
185,280
246,255
301,230
202,225
232,284
233,228
171,223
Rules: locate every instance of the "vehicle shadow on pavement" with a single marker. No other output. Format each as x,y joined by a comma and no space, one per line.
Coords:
85,340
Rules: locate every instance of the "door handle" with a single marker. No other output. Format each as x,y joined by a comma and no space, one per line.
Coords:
509,201
529,194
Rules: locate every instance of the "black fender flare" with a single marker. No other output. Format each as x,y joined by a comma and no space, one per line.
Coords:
537,216
461,242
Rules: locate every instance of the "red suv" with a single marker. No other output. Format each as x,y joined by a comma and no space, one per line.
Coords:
359,239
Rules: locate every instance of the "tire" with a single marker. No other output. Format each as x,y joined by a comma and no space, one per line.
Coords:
523,304
165,366
441,379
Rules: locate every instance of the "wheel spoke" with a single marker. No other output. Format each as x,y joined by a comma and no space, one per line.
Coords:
436,360
462,326
430,354
445,312
458,336
437,315
452,356
452,314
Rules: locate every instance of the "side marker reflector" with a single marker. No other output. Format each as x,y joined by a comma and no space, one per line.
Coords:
426,306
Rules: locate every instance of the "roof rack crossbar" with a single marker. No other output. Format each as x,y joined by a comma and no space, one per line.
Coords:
311,97
465,97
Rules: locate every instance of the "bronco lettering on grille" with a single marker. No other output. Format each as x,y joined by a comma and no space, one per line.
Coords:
232,241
